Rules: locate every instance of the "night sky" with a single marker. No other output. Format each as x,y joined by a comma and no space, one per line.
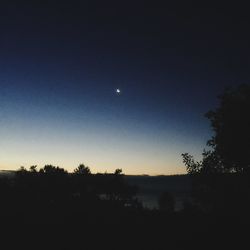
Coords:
61,63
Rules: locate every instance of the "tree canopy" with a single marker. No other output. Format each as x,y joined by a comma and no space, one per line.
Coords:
231,123
221,178
230,144
82,170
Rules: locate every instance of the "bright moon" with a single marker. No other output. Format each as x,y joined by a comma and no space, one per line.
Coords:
118,91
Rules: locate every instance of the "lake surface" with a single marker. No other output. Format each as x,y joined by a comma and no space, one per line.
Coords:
151,187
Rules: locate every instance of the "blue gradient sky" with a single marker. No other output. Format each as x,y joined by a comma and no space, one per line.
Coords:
60,65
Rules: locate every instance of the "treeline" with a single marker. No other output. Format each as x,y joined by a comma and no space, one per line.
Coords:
53,193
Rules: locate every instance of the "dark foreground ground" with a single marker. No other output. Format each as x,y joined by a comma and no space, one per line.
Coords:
147,230
52,209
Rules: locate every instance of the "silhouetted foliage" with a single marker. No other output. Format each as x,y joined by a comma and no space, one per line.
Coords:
118,171
82,170
191,166
210,163
221,178
231,141
231,122
22,170
33,168
50,169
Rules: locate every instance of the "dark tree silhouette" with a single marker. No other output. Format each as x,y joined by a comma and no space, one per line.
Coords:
230,145
50,169
191,166
210,163
221,178
22,169
82,170
118,171
231,123
33,168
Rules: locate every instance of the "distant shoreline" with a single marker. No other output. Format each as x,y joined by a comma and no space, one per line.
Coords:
127,175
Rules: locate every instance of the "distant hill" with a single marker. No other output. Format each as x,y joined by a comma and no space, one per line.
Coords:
7,173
